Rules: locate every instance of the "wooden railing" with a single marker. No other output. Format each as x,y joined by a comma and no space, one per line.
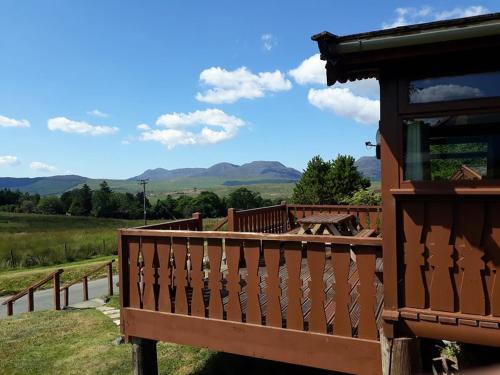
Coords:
272,219
54,276
85,285
367,217
183,273
449,252
194,223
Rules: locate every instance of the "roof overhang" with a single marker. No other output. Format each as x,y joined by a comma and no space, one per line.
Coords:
360,56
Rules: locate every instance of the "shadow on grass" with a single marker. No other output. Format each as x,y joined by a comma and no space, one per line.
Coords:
231,364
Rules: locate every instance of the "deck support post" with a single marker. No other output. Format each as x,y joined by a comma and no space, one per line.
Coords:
144,356
400,356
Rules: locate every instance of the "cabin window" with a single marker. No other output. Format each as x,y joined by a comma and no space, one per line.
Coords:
461,147
441,89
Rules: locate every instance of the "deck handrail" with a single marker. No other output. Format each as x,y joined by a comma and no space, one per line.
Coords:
339,240
269,219
84,280
55,276
193,223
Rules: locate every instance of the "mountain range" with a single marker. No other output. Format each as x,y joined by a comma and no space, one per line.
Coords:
220,176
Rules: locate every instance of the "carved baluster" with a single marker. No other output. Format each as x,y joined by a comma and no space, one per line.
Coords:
215,308
365,259
341,258
252,252
413,223
196,252
233,249
148,252
272,259
316,259
492,245
440,220
293,257
165,277
134,272
467,243
179,249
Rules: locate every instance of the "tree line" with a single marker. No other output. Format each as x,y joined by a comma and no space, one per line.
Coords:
104,202
323,182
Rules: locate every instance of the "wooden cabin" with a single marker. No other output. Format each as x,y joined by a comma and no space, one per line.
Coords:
425,264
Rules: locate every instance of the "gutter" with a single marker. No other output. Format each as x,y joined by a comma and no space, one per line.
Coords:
424,37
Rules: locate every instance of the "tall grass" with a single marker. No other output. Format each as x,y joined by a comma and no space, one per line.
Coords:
28,240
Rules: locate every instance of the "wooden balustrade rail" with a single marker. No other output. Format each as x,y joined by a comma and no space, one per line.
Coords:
184,273
55,276
271,219
85,279
367,217
194,223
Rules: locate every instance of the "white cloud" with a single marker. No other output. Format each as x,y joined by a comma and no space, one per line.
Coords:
6,122
311,70
216,126
344,103
97,113
143,127
42,167
230,86
411,15
9,161
269,41
79,127
445,92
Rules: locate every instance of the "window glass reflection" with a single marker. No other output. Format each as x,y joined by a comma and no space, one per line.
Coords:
470,86
452,148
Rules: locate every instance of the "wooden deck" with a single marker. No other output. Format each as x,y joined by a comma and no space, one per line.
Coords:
303,299
328,279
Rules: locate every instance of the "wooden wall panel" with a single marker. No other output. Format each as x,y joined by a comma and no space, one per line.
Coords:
439,220
413,225
469,221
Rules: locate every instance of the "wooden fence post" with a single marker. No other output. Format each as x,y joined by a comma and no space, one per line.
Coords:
144,356
57,291
31,301
66,297
10,308
198,217
110,278
85,288
400,356
231,225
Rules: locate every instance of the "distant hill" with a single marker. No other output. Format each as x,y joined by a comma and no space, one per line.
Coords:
165,181
42,185
256,170
369,166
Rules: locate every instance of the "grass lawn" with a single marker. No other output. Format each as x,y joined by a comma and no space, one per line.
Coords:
80,342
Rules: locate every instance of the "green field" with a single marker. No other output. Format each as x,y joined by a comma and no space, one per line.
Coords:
29,240
193,186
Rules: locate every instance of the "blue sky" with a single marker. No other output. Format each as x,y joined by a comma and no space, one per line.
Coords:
207,81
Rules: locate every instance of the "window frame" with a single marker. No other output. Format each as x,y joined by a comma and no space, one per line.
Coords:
407,111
